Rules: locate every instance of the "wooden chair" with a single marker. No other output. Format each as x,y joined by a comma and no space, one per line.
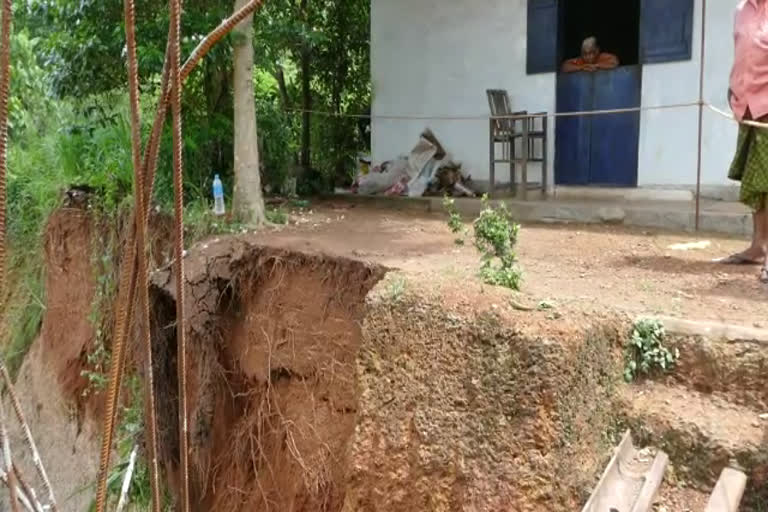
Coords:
506,129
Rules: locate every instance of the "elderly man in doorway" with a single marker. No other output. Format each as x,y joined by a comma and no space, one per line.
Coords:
748,98
592,59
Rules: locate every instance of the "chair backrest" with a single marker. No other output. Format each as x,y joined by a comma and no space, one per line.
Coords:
498,101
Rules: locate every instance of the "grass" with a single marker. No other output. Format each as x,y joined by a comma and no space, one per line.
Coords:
276,216
395,288
24,314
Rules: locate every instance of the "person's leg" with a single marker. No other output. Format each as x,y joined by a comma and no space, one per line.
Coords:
757,249
762,237
756,252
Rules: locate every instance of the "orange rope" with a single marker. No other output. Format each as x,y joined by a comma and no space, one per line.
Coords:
128,262
178,192
150,421
5,79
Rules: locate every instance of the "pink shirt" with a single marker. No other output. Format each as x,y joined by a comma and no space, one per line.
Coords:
749,76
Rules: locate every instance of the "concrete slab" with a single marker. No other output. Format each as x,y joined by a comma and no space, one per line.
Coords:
622,194
728,492
630,481
713,330
716,216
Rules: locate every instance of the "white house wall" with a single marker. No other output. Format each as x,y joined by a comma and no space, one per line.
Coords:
669,138
436,58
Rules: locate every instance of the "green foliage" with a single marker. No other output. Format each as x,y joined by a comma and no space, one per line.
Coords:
24,313
130,430
276,216
279,131
104,254
200,222
31,104
455,223
495,237
82,45
645,353
396,288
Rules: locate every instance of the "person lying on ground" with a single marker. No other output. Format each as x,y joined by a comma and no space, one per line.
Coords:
592,59
748,99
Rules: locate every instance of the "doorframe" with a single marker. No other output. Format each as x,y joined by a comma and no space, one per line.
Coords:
560,59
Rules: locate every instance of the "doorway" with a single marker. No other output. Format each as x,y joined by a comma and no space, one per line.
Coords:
599,150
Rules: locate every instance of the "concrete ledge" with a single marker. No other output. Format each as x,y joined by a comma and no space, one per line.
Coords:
716,216
713,330
623,194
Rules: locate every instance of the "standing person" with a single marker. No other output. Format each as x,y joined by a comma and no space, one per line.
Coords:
748,98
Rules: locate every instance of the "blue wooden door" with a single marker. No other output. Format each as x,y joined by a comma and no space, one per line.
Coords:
615,137
572,134
598,149
602,150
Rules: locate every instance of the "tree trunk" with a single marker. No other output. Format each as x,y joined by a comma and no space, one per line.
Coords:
280,77
306,94
248,200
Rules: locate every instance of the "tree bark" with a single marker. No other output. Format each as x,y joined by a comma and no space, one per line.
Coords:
248,201
306,104
280,77
306,94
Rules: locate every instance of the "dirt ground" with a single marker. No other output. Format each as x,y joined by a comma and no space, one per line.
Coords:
574,267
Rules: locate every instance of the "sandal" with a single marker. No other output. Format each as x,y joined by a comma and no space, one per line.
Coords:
738,259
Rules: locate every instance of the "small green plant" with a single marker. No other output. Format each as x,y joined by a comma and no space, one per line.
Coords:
103,253
495,237
98,362
396,288
545,305
276,216
645,353
455,223
130,432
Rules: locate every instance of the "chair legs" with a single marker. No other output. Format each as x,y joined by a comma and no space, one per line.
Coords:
510,155
492,170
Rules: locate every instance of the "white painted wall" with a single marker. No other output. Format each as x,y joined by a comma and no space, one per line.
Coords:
669,138
436,58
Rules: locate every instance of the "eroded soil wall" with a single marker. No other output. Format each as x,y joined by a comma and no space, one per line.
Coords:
308,393
273,341
462,410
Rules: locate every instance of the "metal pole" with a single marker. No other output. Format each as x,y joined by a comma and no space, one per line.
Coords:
701,110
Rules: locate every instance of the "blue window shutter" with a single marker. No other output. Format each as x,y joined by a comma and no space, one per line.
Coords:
542,36
666,30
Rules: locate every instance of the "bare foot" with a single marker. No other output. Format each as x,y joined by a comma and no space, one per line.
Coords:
749,257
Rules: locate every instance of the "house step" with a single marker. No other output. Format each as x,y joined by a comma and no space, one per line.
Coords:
715,216
702,434
623,194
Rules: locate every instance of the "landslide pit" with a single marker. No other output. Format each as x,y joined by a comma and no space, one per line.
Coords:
319,383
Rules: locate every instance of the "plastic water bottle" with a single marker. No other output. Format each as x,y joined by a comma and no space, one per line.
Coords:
218,196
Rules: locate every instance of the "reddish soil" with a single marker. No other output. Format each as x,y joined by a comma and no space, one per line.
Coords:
67,332
51,388
291,410
680,499
274,338
585,268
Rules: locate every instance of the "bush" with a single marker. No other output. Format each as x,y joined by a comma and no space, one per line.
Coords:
495,237
455,224
645,353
